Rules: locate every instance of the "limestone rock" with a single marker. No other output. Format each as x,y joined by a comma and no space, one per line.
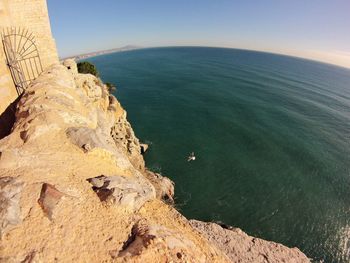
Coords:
144,148
71,66
89,139
240,247
164,186
120,190
91,85
49,198
124,137
146,238
10,211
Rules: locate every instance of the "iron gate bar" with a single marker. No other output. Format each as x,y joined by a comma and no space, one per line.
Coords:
22,56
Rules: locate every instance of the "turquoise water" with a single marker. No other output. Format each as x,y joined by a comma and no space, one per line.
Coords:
271,135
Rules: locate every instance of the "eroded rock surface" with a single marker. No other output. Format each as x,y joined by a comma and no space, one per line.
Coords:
164,187
121,190
240,247
144,148
125,138
49,198
155,238
10,210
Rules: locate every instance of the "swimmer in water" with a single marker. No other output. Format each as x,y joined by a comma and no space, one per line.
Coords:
191,157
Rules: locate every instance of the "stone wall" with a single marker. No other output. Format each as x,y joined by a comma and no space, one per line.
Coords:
32,15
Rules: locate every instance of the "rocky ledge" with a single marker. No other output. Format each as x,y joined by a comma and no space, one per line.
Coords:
74,187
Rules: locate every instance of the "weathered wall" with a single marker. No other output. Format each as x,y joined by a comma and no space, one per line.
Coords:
32,15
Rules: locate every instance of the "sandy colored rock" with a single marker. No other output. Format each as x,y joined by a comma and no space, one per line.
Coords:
10,210
49,198
144,148
121,190
124,137
71,65
240,247
74,187
146,236
163,186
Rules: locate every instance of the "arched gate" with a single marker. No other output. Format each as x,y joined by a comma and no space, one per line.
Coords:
22,56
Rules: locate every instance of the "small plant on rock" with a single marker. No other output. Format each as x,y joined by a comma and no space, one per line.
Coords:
86,67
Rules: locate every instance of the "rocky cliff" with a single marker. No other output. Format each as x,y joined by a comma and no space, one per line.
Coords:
74,187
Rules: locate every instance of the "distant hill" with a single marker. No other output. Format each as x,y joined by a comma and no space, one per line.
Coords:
102,52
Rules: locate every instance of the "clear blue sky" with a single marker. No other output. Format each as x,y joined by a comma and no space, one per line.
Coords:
318,29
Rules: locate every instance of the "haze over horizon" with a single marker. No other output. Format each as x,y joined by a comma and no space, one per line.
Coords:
317,30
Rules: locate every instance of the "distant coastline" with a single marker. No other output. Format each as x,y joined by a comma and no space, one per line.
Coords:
132,47
102,52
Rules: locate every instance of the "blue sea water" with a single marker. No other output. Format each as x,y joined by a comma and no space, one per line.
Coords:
271,135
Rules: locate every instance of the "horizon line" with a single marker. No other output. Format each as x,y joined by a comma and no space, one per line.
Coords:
135,47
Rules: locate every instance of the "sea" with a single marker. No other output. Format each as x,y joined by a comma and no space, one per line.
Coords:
270,133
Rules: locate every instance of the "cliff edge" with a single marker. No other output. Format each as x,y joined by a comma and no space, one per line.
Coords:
74,187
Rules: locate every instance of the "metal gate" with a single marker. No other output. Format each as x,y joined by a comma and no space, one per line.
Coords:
22,56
